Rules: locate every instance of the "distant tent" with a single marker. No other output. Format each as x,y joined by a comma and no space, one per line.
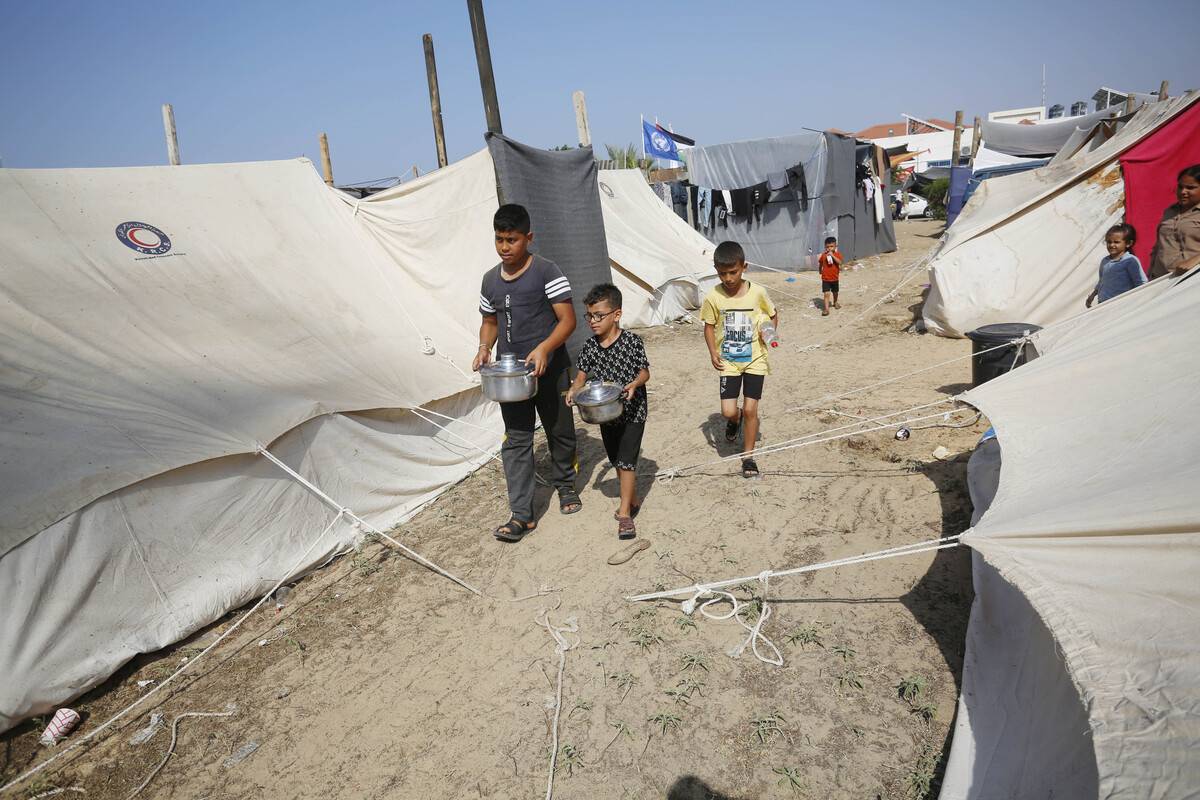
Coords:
661,265
160,326
1081,676
1026,247
784,228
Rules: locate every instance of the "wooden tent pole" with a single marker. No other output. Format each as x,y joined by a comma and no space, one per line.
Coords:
958,129
168,115
435,101
326,163
581,119
483,58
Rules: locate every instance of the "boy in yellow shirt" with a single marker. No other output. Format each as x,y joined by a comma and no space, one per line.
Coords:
733,314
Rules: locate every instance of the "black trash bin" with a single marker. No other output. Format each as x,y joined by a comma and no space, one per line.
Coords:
985,366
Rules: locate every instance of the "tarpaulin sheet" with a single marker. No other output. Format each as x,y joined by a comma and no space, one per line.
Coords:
1150,168
558,187
1041,138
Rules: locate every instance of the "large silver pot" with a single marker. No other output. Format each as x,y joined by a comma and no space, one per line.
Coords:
508,379
600,401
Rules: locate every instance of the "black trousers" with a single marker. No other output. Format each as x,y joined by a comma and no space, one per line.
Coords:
557,421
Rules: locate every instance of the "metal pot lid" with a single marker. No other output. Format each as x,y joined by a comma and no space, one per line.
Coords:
507,364
597,393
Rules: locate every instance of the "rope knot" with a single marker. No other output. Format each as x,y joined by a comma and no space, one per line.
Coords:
427,345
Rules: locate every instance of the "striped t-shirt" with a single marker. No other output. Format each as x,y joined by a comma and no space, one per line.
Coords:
523,307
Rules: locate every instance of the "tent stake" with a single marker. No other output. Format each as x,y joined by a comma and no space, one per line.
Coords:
326,164
435,101
168,115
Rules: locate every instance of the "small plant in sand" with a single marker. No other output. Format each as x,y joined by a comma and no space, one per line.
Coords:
911,688
920,778
665,721
364,566
690,662
622,730
644,638
926,711
625,681
570,759
678,695
371,537
686,624
580,705
790,779
692,686
767,727
845,651
805,636
849,679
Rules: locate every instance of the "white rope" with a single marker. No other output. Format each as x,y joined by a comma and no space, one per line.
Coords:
171,749
1021,342
187,665
561,646
462,439
492,456
700,590
362,523
851,429
53,792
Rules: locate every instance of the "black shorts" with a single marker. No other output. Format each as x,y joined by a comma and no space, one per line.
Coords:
623,443
747,385
829,286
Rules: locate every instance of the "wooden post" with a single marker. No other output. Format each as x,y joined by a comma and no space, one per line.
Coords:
435,101
976,138
1162,91
416,172
483,58
958,129
172,138
1129,104
326,164
581,120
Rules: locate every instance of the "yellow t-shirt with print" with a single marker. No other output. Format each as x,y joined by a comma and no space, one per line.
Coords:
738,321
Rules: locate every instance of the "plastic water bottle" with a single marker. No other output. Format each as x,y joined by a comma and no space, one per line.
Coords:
769,336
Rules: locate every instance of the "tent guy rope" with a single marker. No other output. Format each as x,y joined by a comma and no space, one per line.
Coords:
561,646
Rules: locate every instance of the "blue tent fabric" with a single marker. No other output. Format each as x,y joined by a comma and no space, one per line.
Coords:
959,177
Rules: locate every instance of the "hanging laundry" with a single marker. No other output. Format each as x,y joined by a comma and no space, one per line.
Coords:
726,195
741,202
777,181
663,190
877,194
758,199
798,184
704,207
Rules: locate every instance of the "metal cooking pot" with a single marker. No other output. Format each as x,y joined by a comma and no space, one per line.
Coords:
600,401
508,379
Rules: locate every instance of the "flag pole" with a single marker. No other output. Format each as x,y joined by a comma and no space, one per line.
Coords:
642,130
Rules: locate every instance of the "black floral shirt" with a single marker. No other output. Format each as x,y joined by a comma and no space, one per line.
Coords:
620,362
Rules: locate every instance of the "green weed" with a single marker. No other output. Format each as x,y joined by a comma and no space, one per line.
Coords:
790,779
665,721
845,651
805,636
570,759
693,661
911,688
766,728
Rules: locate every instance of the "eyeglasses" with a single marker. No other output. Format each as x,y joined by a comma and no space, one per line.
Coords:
594,317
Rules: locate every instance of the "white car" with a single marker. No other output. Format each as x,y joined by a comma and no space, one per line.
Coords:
915,206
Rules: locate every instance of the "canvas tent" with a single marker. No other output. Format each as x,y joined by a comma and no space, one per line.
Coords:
1081,674
1026,247
1042,139
159,326
788,231
661,265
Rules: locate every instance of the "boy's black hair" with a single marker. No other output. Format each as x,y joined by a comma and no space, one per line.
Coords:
830,240
1126,230
511,217
728,254
1192,172
601,292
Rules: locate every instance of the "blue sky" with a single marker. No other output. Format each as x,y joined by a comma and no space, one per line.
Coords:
81,83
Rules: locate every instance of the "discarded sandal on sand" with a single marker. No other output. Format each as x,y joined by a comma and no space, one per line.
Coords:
628,552
514,530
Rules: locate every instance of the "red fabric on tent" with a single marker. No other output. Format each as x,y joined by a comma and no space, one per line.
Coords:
1150,168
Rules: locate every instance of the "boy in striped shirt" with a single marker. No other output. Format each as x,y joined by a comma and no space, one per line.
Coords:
525,301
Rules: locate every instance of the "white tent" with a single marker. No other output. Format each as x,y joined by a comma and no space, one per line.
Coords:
938,146
160,325
1025,247
661,265
657,259
1082,669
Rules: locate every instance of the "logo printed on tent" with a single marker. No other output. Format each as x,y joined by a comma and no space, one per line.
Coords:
146,239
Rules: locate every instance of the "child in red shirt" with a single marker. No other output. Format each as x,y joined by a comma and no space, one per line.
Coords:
830,263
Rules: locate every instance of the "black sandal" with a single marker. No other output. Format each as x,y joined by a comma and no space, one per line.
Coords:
731,428
749,468
514,530
568,501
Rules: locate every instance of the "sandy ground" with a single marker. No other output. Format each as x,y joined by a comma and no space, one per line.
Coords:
381,679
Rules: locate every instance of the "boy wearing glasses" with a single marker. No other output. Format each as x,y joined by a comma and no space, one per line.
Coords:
617,356
525,301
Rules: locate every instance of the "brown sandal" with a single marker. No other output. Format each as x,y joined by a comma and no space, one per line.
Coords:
626,529
633,512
